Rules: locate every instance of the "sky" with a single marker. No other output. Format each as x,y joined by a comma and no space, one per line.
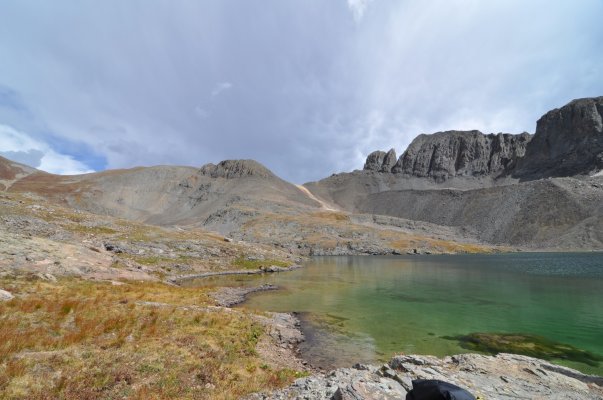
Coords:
306,87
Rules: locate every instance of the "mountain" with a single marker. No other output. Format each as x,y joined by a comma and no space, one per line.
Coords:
241,199
448,191
214,195
522,190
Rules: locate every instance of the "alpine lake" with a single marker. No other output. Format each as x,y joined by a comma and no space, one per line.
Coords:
368,308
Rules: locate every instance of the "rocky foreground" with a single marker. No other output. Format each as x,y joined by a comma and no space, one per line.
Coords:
505,376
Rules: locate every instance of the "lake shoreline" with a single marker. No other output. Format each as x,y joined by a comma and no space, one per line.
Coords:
521,375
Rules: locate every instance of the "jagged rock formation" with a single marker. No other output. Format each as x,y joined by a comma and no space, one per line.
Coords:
568,141
443,155
374,161
457,153
381,161
230,169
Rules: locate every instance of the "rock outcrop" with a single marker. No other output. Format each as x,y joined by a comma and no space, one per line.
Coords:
568,141
230,169
465,153
381,161
443,155
505,376
374,161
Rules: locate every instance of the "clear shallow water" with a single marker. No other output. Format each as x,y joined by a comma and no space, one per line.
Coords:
367,308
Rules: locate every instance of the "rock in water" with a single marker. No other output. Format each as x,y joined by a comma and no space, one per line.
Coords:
568,141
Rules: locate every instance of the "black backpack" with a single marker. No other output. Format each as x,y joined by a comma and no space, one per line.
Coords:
428,389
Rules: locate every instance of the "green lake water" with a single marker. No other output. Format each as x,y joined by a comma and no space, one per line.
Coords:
368,308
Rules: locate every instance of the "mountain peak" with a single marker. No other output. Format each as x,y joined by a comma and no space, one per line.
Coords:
231,169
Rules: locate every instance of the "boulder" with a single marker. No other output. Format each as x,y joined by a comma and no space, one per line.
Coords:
5,296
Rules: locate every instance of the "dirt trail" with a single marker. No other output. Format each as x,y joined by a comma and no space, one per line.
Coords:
323,205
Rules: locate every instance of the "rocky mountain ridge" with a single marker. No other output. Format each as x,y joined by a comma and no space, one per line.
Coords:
443,155
483,202
568,141
539,191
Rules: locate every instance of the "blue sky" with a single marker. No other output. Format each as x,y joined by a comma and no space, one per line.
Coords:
306,87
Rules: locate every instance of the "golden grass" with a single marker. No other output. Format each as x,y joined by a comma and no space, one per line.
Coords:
85,340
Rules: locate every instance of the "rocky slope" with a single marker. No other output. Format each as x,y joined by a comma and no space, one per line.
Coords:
241,199
218,196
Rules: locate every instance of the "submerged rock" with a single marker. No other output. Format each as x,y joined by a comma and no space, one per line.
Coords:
529,345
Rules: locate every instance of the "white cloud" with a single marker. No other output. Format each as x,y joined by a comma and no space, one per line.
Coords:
318,84
358,8
20,147
220,87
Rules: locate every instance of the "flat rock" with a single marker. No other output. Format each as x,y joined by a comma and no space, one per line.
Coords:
505,376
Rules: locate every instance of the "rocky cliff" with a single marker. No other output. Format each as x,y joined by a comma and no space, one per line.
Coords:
381,161
568,142
443,155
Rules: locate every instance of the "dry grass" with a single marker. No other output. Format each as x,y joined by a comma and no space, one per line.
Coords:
85,340
405,242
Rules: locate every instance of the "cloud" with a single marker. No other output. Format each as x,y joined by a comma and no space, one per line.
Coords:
220,87
306,87
358,8
18,146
